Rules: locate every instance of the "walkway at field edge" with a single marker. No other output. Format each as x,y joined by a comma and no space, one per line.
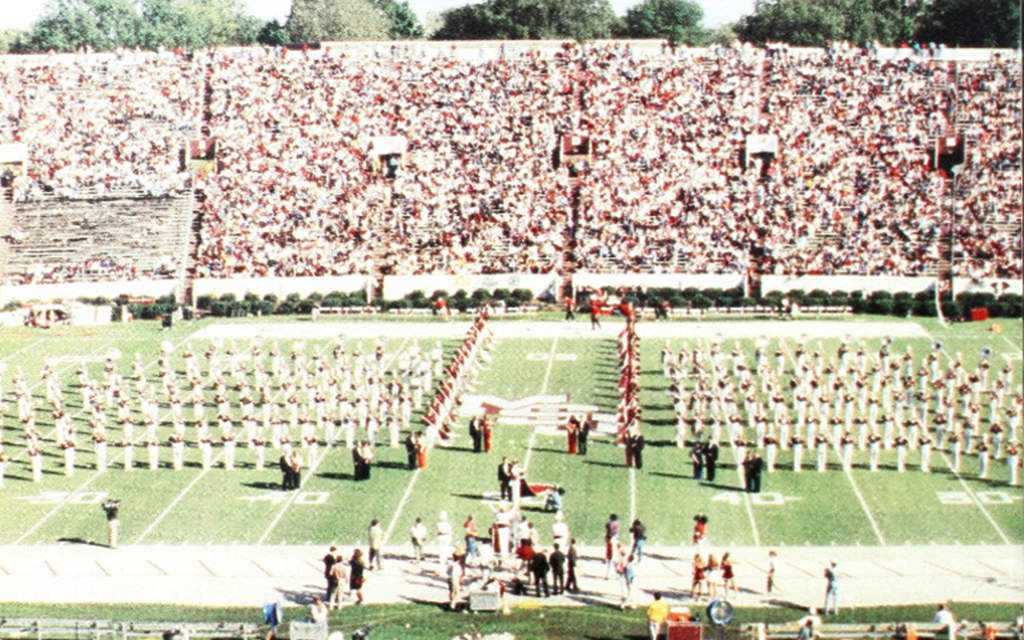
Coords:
251,576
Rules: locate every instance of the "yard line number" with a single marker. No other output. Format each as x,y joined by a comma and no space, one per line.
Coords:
960,498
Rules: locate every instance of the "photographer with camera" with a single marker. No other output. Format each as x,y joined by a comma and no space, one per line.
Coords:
111,507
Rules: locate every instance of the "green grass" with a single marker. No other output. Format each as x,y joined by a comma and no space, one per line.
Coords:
817,509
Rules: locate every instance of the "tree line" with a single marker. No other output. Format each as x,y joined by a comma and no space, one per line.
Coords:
103,25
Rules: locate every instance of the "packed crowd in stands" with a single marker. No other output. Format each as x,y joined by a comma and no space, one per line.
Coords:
298,189
99,124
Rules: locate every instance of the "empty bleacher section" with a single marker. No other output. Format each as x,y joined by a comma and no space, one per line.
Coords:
665,186
119,236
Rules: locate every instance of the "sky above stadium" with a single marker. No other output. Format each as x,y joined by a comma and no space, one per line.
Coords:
21,15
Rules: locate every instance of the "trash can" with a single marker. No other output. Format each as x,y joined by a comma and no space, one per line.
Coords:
685,630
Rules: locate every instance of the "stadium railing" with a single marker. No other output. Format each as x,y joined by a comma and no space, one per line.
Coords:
896,631
49,629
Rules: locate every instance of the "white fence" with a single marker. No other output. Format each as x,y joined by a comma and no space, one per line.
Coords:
75,290
542,286
867,284
993,286
282,287
658,280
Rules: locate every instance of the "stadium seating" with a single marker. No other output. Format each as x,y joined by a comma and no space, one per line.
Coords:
295,191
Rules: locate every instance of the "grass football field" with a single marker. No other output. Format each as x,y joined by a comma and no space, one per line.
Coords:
244,506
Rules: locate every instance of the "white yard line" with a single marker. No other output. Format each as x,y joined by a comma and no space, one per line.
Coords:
753,522
967,488
849,474
974,498
295,494
95,475
551,366
21,350
543,390
56,508
632,494
153,525
864,505
71,494
327,449
401,506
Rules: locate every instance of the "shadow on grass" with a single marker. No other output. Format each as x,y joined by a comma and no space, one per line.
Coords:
82,541
598,463
441,606
333,475
662,474
786,604
270,486
469,496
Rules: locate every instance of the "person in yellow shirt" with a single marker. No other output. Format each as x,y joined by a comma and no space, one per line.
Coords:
657,613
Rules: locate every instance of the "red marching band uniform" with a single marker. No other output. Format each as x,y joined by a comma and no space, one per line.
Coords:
440,415
629,381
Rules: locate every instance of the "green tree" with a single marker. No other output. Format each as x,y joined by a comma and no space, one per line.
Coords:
403,22
12,40
319,20
68,25
529,19
816,22
971,23
273,34
677,21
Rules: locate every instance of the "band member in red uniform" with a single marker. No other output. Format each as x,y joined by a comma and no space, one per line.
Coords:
488,434
572,428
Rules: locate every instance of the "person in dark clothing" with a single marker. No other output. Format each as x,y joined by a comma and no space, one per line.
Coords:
586,427
697,459
540,567
332,583
571,558
711,459
557,562
754,473
410,450
357,464
476,434
287,473
636,446
638,531
505,479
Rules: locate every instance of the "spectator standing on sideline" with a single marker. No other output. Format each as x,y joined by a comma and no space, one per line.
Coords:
329,561
639,534
831,588
356,575
111,508
418,536
571,559
611,543
539,567
557,562
339,573
657,613
375,535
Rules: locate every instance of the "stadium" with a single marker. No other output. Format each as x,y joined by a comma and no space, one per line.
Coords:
763,304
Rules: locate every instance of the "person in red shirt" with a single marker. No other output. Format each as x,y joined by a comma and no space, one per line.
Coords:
470,531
